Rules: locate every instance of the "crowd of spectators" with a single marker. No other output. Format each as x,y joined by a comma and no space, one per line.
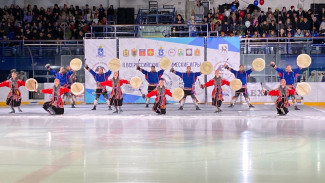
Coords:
34,23
253,22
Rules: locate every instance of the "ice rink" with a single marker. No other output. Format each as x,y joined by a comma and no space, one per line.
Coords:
238,145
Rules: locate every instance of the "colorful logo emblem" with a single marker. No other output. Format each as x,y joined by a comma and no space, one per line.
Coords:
142,52
180,52
126,53
188,51
172,52
100,51
161,52
134,52
197,52
150,52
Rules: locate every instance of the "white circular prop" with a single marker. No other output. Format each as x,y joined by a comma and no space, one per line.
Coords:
303,60
258,64
236,84
165,63
206,68
77,88
31,84
178,93
114,64
303,89
76,64
135,82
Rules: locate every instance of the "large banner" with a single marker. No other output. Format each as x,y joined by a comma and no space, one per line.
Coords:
222,51
146,52
97,54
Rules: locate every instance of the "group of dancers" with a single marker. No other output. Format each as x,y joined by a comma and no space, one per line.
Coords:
65,77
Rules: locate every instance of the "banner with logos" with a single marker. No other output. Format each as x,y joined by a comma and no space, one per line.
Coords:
146,52
97,54
222,51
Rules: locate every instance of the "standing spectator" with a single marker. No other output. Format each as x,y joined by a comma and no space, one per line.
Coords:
56,9
301,12
322,13
322,26
89,16
192,27
315,24
198,11
71,10
236,3
101,12
110,13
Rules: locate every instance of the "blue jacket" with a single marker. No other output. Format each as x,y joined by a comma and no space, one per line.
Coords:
242,75
100,77
290,77
64,78
188,78
152,77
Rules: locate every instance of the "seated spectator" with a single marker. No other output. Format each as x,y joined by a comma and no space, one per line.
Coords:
269,18
264,27
272,34
299,33
280,25
205,21
262,17
28,17
305,25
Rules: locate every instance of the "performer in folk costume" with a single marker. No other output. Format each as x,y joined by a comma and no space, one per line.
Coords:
55,105
152,77
64,77
217,96
116,96
160,102
242,75
14,96
283,93
290,75
100,90
189,79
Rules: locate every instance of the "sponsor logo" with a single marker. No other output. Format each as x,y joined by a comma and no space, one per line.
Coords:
172,52
161,52
125,53
142,52
150,52
188,51
223,48
100,51
180,52
134,52
197,52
